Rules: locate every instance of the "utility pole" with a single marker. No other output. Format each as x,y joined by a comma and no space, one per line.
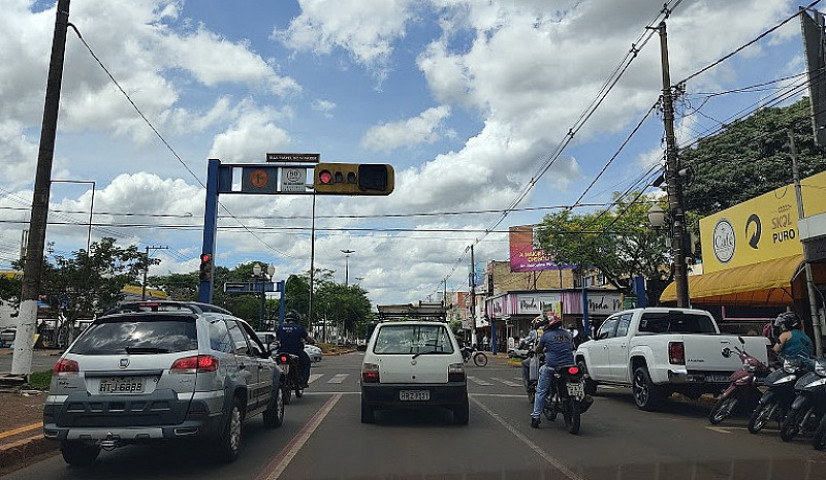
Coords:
675,191
27,319
146,270
810,284
472,298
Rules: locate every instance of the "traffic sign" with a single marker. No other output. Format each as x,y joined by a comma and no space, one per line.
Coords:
250,287
294,157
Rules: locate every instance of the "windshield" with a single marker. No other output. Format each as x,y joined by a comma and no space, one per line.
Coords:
416,339
148,335
676,322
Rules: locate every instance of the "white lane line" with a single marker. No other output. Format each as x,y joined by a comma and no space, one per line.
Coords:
718,429
275,468
551,460
338,378
506,382
314,377
479,381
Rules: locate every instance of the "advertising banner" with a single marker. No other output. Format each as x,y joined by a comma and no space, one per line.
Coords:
760,229
536,303
524,255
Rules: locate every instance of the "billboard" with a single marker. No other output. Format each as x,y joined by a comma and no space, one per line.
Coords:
525,254
763,228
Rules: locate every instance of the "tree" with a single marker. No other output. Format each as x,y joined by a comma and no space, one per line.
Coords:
620,244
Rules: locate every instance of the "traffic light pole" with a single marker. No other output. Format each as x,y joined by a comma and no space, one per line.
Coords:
210,226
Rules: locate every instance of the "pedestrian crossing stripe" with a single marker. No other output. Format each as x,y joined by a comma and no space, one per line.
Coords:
340,378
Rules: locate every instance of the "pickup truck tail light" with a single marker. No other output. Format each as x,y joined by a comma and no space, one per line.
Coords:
370,373
676,353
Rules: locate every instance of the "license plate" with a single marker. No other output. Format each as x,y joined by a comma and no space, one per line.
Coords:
576,390
718,378
414,395
121,385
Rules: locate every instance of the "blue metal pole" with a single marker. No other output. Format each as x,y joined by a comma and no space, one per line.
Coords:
210,226
493,335
282,286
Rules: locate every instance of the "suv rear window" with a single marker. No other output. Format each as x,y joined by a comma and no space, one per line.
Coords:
156,334
676,322
407,339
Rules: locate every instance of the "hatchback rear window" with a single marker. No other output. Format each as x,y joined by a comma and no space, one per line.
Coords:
145,336
406,339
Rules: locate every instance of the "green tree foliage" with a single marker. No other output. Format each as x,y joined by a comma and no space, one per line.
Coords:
749,158
620,243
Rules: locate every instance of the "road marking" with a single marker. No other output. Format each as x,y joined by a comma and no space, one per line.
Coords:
718,429
479,381
338,378
551,460
275,468
506,382
314,377
16,431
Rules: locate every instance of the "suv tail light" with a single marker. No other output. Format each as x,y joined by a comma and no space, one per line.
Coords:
370,373
456,372
676,353
195,363
64,366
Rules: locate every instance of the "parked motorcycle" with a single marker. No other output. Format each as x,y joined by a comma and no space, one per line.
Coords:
522,350
291,380
809,405
742,390
478,356
570,399
777,401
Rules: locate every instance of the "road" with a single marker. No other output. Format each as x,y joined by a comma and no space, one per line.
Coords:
322,438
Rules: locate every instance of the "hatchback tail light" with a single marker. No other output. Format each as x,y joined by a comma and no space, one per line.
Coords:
370,373
195,363
456,372
64,366
676,353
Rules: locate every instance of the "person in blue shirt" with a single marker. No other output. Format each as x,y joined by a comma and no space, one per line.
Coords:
291,337
792,342
558,345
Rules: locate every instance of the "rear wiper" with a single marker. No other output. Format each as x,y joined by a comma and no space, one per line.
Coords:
427,352
146,350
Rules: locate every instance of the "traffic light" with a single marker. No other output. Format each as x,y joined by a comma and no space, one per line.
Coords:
353,179
205,273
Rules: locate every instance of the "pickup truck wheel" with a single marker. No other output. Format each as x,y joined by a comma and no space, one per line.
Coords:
590,385
647,396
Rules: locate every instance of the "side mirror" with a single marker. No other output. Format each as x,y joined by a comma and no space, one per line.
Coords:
742,342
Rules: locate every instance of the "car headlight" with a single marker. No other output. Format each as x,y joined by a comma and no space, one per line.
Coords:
749,367
820,368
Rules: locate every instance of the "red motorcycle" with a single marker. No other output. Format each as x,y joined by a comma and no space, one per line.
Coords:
742,389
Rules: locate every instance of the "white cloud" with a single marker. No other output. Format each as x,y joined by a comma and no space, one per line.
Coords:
421,129
250,137
326,107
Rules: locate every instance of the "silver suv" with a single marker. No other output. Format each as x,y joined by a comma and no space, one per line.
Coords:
161,370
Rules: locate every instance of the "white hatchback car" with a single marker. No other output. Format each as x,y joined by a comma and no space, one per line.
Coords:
412,364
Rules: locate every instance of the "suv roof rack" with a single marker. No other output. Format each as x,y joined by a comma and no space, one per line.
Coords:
423,311
165,306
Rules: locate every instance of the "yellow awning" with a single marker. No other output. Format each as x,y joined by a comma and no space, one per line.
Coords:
767,283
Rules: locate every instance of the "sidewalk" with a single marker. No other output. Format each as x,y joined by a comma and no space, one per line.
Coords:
21,435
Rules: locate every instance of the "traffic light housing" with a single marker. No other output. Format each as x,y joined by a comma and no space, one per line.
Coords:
205,272
353,179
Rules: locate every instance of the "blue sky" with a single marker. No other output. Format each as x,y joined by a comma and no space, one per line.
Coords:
466,99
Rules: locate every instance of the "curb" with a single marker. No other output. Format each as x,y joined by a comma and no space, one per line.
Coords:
21,450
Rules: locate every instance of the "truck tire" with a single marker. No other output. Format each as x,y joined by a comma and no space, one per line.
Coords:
647,396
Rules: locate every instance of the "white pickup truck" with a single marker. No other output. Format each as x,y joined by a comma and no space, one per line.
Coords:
657,351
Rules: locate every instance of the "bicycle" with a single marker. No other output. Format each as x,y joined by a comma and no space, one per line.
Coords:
479,357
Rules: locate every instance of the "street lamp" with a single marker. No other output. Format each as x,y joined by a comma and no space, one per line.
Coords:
347,253
259,274
656,216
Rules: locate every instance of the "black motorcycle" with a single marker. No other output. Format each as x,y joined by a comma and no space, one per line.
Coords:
809,405
777,401
569,398
291,380
478,356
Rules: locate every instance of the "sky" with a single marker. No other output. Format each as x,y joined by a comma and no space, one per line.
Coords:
492,114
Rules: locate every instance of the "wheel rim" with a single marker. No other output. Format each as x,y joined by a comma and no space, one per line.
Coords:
725,409
235,429
765,414
640,389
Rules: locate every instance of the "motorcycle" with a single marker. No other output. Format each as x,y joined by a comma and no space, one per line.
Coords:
479,357
809,405
291,380
569,398
742,390
777,401
522,350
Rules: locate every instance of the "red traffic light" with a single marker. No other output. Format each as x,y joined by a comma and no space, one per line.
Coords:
325,177
205,257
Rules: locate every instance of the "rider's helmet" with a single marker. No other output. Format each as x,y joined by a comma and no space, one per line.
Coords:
554,321
787,321
539,322
292,316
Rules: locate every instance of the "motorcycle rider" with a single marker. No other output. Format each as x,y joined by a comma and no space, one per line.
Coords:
558,345
793,341
291,338
529,340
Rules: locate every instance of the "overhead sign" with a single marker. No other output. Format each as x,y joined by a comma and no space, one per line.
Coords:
293,179
259,179
763,228
294,157
525,254
251,287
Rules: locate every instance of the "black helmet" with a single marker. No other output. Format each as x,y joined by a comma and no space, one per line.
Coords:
292,316
539,322
787,321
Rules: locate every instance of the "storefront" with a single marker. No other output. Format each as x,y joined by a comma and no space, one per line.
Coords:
511,313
